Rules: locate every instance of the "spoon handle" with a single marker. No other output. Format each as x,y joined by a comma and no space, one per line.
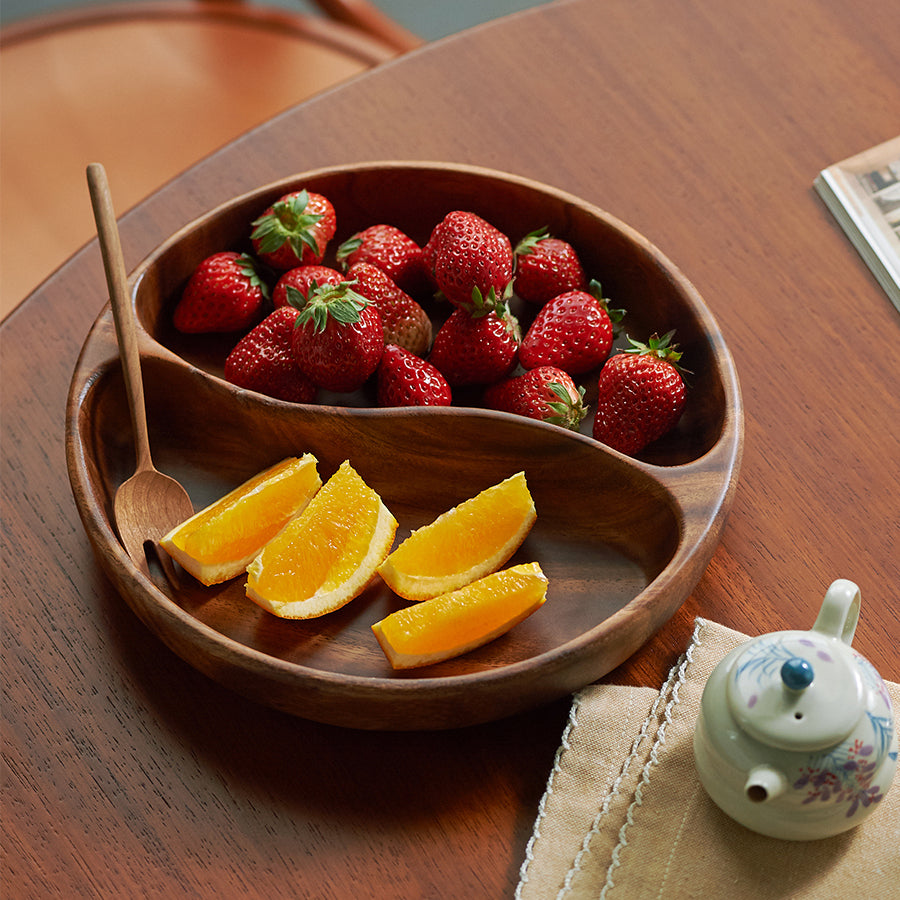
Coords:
123,315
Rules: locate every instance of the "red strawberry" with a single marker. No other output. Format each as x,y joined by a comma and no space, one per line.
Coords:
471,260
405,323
546,394
225,293
641,395
338,339
263,360
294,230
546,267
393,251
302,279
476,348
406,380
573,331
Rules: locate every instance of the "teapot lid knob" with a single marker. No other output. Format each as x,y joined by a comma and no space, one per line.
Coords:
797,674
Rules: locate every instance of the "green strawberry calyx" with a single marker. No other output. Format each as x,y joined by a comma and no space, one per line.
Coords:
565,412
615,315
347,249
483,304
658,348
529,243
330,301
249,268
482,307
287,223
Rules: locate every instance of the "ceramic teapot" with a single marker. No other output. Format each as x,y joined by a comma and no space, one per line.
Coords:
795,738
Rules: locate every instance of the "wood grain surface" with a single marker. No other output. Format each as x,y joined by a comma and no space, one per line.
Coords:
128,773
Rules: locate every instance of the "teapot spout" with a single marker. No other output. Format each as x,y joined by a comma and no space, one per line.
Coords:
764,783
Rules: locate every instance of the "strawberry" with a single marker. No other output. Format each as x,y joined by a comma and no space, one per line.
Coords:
546,267
406,380
574,331
471,261
405,323
224,293
476,348
547,394
302,279
641,395
294,231
393,251
338,339
264,361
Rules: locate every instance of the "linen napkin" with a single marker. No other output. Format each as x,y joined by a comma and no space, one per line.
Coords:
624,816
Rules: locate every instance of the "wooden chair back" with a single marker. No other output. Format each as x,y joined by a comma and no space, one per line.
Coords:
148,89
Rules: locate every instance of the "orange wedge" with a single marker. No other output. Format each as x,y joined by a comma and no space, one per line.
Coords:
327,555
455,623
463,544
220,541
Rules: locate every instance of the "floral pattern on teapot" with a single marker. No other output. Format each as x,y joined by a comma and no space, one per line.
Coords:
843,773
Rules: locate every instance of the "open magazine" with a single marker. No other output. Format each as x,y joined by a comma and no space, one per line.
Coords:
863,194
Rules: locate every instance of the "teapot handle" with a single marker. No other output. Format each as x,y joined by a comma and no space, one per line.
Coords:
840,611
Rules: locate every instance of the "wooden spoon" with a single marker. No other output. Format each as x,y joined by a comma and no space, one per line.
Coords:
149,504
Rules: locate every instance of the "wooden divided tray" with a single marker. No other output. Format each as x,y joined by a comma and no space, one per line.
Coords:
623,541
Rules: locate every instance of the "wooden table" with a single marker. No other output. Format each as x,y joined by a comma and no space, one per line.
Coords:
700,124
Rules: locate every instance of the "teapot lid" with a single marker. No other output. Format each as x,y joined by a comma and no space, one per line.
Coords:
796,691
802,690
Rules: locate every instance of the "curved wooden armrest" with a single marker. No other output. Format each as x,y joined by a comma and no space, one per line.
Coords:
369,18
